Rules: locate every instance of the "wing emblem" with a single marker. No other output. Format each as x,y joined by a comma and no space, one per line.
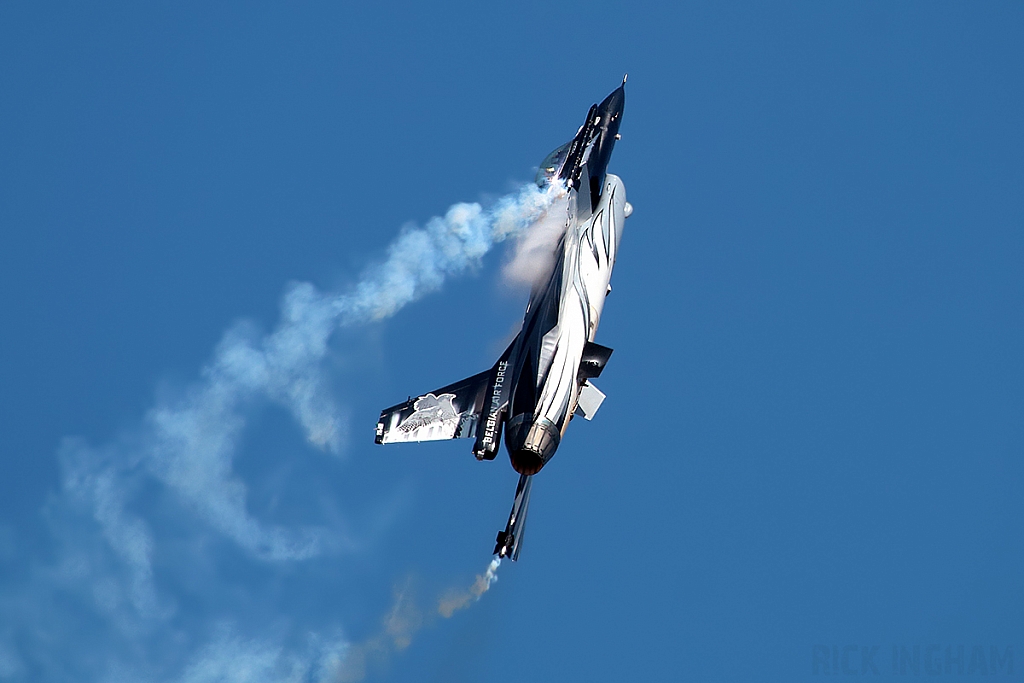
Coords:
431,410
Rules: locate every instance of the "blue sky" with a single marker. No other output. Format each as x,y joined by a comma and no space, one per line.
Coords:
813,429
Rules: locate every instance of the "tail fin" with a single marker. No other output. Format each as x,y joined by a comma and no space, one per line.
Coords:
471,408
494,406
451,412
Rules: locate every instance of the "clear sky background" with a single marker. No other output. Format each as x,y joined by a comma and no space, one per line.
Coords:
813,431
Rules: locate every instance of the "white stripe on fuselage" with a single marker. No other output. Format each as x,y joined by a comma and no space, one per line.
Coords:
590,250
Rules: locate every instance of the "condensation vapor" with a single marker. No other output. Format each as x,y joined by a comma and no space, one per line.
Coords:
536,247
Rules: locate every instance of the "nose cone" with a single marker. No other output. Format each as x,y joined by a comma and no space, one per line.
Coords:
612,107
531,443
610,113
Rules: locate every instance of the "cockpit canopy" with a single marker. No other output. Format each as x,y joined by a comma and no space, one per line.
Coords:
551,165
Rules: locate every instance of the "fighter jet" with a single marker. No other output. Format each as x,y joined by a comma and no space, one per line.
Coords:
544,376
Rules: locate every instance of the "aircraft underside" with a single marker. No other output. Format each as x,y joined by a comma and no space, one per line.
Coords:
543,377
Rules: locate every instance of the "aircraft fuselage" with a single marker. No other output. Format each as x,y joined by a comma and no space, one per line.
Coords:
561,319
543,377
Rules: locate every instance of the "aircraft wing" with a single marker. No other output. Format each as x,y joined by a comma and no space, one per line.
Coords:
510,540
451,412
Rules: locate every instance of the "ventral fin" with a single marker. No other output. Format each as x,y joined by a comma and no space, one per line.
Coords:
595,357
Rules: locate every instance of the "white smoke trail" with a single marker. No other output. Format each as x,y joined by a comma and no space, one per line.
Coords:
453,601
402,622
535,247
120,504
189,444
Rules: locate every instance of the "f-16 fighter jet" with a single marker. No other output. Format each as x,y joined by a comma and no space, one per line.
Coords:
543,377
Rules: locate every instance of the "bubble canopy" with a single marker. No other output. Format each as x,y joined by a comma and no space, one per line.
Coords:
551,164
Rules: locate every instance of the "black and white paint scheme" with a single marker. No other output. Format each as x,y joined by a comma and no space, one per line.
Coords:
433,418
544,376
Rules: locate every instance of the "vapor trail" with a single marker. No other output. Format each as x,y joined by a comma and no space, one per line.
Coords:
189,444
535,249
400,625
453,601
